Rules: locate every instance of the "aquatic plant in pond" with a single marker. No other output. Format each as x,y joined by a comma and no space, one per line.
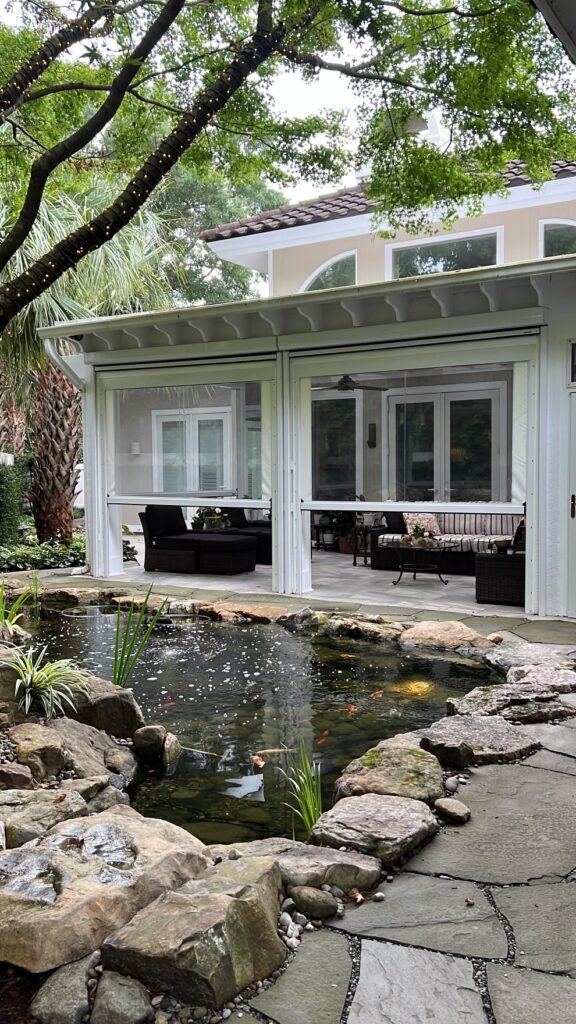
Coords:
304,783
10,611
44,686
131,638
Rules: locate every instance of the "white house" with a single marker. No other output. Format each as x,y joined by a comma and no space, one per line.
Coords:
414,383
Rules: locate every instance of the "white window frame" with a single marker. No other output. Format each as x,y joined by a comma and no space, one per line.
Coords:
441,396
328,263
358,398
551,222
191,418
460,236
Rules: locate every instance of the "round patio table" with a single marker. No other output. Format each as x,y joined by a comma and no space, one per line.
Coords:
423,559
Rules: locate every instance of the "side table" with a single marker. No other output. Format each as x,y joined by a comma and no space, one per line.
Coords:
501,579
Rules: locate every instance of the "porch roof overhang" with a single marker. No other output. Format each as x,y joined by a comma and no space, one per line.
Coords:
561,17
433,305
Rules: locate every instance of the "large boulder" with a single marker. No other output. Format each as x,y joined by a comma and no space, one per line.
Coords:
557,679
446,636
387,827
121,1001
91,752
61,896
29,815
407,771
305,620
148,741
16,776
63,999
105,706
465,739
210,939
527,701
40,748
518,653
303,864
362,629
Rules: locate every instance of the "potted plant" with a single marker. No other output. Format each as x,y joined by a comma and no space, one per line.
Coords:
208,518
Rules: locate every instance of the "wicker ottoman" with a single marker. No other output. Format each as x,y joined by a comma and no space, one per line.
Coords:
500,579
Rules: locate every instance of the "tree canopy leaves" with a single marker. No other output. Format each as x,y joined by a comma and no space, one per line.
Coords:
107,105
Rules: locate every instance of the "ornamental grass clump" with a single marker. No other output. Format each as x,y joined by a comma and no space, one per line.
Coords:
131,638
44,686
304,782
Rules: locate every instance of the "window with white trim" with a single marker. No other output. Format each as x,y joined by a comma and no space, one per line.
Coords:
464,252
558,239
193,450
339,273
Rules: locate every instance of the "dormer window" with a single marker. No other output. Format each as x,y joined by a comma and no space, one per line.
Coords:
337,273
559,238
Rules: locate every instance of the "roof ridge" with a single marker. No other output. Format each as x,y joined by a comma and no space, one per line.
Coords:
349,201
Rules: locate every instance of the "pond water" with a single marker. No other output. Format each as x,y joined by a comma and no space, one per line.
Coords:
233,693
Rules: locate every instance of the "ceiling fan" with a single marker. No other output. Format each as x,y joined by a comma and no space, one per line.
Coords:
347,383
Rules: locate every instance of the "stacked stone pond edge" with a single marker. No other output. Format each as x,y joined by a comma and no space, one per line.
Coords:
139,921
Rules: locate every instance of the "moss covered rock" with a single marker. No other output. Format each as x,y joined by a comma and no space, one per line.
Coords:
408,771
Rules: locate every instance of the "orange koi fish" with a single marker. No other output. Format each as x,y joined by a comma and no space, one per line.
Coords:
257,761
378,693
351,709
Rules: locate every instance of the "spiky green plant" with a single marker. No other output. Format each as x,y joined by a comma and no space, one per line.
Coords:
10,613
45,686
131,638
304,782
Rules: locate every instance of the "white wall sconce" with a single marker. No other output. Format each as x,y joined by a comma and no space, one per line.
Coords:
135,448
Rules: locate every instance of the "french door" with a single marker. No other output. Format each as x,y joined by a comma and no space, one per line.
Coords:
193,450
447,446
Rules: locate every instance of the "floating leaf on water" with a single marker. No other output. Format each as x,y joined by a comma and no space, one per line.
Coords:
377,694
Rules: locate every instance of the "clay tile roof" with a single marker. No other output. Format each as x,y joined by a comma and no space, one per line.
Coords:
348,202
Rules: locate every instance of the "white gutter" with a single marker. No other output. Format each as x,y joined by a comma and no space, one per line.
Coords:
64,364
229,310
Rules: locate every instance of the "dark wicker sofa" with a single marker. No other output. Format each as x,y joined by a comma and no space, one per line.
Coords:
170,547
469,533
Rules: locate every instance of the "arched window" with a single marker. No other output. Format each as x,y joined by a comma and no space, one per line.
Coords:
338,273
558,238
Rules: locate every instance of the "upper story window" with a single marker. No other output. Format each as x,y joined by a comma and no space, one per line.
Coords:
558,239
338,273
454,253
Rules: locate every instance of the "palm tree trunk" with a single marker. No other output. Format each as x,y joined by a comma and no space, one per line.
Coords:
56,446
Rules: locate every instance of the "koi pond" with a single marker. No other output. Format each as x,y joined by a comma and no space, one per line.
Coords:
241,697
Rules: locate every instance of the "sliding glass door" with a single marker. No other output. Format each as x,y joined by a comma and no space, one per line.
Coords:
193,450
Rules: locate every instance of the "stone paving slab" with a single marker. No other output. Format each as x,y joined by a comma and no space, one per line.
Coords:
525,997
516,651
491,623
552,762
561,739
543,919
431,912
547,631
521,829
399,985
314,986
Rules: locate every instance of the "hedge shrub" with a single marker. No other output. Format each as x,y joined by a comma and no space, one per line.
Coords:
10,504
48,556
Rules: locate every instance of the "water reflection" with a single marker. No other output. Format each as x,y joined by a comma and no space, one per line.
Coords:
237,695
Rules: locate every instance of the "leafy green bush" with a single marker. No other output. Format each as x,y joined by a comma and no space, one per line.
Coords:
32,555
11,498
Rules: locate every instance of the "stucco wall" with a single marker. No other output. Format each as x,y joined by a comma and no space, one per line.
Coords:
293,266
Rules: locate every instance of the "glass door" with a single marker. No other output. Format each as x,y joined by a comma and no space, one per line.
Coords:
171,470
472,455
414,449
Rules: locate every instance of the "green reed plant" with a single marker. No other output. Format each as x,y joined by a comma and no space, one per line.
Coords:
10,613
131,638
44,686
304,782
